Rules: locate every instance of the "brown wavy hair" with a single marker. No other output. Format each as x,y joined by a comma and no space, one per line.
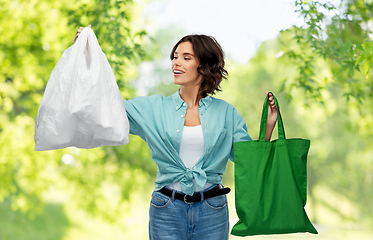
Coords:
211,62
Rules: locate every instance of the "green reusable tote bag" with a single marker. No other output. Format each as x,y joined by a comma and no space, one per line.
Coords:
271,183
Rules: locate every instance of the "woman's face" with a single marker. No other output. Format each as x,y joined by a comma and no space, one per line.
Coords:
184,66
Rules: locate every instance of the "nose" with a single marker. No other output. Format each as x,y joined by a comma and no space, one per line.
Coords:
175,63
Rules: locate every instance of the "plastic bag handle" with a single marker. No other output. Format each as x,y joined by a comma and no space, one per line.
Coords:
263,122
86,36
87,43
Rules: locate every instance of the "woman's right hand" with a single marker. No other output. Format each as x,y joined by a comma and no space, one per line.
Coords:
78,32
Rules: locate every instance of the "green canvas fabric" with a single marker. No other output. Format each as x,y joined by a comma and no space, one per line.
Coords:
271,183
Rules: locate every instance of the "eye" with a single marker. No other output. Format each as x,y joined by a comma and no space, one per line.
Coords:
187,58
174,57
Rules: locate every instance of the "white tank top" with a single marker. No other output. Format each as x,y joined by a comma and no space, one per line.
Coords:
192,147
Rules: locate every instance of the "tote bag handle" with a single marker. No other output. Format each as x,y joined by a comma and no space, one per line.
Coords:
263,122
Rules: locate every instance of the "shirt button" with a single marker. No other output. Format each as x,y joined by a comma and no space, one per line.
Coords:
176,107
183,104
178,130
182,116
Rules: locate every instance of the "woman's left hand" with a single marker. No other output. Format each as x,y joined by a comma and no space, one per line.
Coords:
272,111
272,117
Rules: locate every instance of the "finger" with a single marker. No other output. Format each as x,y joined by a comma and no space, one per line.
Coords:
78,33
76,37
89,25
273,105
271,99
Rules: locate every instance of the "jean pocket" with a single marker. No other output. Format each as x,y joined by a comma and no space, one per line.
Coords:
216,203
159,200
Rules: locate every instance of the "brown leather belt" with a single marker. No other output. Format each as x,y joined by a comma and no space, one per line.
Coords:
216,191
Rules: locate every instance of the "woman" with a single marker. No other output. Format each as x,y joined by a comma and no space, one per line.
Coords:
191,135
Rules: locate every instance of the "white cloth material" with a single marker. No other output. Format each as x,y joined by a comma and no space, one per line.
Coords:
82,105
192,147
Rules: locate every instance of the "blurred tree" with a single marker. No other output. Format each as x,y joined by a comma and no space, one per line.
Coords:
341,35
33,35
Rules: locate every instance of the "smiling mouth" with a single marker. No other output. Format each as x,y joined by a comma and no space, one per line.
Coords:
178,72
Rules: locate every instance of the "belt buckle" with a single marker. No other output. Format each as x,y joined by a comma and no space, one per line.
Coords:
185,199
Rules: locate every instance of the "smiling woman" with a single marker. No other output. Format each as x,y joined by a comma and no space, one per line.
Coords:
190,135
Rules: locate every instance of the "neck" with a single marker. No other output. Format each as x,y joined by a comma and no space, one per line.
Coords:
190,95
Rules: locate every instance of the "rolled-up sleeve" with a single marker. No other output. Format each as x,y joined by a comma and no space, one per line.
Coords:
138,112
239,131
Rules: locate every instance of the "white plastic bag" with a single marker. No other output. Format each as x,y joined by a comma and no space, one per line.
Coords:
82,105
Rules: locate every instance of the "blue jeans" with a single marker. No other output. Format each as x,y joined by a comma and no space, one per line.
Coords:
174,219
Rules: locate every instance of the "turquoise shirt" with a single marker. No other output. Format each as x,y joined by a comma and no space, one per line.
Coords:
159,121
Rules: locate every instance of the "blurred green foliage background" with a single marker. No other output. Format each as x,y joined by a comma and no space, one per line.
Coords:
320,72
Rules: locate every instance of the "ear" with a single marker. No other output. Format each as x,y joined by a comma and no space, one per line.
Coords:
200,69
